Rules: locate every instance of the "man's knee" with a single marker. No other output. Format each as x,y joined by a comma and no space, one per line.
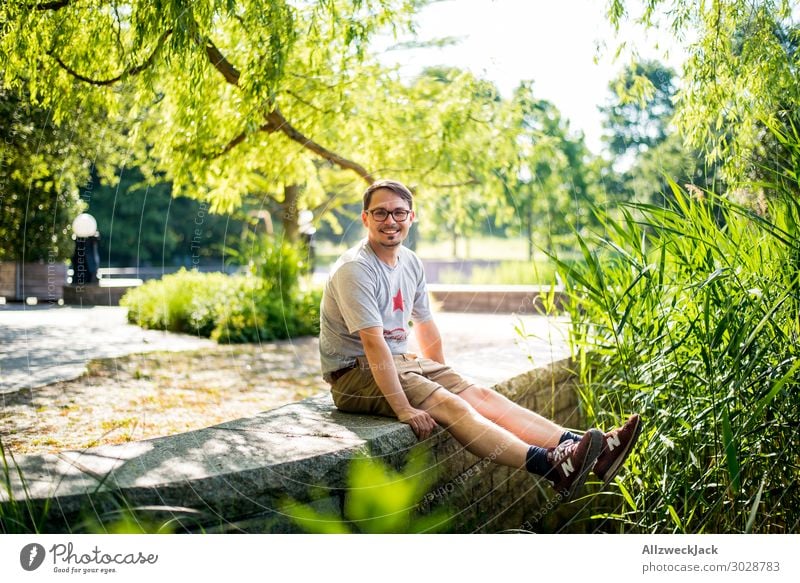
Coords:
476,394
445,407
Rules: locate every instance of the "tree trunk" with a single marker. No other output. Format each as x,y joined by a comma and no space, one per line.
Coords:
291,192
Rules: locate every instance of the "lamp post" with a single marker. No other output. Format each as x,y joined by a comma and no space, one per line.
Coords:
86,257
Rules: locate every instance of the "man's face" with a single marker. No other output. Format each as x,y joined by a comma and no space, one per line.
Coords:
389,233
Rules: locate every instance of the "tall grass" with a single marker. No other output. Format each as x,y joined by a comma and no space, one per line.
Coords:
17,516
689,315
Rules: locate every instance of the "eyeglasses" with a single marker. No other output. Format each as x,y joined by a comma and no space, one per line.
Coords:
381,215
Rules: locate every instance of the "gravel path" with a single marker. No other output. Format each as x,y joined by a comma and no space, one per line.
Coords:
40,345
142,384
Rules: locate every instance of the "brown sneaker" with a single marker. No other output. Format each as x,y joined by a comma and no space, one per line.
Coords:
617,444
571,461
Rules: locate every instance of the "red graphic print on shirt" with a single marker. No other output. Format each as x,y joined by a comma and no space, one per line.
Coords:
396,334
397,301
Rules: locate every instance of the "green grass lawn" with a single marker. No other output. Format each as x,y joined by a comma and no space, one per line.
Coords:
515,248
513,252
475,248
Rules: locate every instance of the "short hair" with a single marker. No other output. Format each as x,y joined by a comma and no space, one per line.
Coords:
398,188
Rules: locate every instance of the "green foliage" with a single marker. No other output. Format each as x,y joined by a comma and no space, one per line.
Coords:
41,170
649,178
741,71
143,225
264,304
256,311
17,516
264,100
186,301
641,110
689,315
279,263
127,520
221,98
378,500
546,175
641,133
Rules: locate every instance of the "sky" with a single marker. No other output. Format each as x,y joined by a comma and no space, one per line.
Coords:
566,47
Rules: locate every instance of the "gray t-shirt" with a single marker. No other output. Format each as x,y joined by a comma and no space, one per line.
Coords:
363,292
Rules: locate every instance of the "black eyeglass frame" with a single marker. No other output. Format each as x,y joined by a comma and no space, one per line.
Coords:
407,213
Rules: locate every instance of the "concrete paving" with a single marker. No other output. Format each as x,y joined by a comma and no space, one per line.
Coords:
489,349
40,345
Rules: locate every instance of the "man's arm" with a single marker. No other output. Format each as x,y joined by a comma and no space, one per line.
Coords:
429,340
384,371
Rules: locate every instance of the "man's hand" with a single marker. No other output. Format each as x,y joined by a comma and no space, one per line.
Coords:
420,421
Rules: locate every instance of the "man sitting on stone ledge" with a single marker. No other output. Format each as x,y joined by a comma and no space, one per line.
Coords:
375,291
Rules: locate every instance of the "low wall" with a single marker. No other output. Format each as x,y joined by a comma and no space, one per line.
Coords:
232,477
19,281
104,293
497,299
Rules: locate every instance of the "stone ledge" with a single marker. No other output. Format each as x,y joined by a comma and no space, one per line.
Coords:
233,476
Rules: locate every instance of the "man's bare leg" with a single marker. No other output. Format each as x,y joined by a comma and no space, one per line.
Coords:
528,426
477,434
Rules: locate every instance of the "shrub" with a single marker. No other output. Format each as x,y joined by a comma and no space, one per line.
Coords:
689,315
256,311
186,301
264,304
378,500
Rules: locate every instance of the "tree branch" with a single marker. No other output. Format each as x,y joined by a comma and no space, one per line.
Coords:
129,73
222,64
267,127
276,117
57,5
276,121
308,103
471,182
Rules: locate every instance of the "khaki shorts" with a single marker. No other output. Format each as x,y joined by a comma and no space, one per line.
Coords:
357,392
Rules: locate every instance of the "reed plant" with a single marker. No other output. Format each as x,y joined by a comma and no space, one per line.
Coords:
689,314
18,514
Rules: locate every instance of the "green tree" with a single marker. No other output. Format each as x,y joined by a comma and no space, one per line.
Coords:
638,116
450,160
544,171
141,224
264,99
739,76
43,165
213,92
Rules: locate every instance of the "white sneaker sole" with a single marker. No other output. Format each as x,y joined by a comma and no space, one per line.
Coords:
595,447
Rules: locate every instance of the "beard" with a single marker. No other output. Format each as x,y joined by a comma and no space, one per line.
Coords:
395,240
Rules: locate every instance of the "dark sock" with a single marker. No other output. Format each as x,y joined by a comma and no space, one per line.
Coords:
536,461
569,435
